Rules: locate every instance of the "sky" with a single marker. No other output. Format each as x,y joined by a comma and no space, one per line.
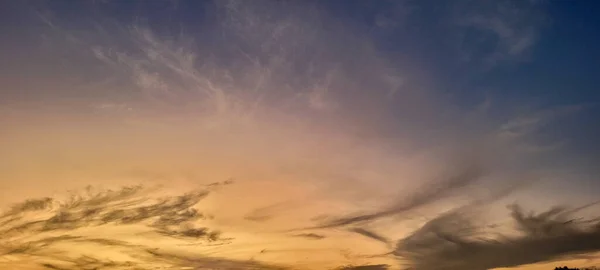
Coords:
269,134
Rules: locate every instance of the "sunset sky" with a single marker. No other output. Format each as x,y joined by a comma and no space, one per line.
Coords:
263,134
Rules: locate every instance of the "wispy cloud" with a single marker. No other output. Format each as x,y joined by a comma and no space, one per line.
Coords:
427,195
365,267
41,228
499,31
268,212
370,234
453,241
529,123
312,236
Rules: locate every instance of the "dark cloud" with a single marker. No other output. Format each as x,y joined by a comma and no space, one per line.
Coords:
312,236
366,267
87,262
453,241
370,234
219,184
30,205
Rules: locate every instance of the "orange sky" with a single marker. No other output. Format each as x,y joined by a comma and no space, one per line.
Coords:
282,179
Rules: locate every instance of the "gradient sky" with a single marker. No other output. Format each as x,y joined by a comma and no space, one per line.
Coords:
299,134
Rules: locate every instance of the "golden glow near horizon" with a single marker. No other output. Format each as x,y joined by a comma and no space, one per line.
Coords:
157,156
280,179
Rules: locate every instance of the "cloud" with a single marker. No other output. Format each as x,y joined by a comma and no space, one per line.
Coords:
312,236
499,31
484,33
155,258
42,227
366,267
453,241
208,262
464,176
370,234
529,123
266,213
